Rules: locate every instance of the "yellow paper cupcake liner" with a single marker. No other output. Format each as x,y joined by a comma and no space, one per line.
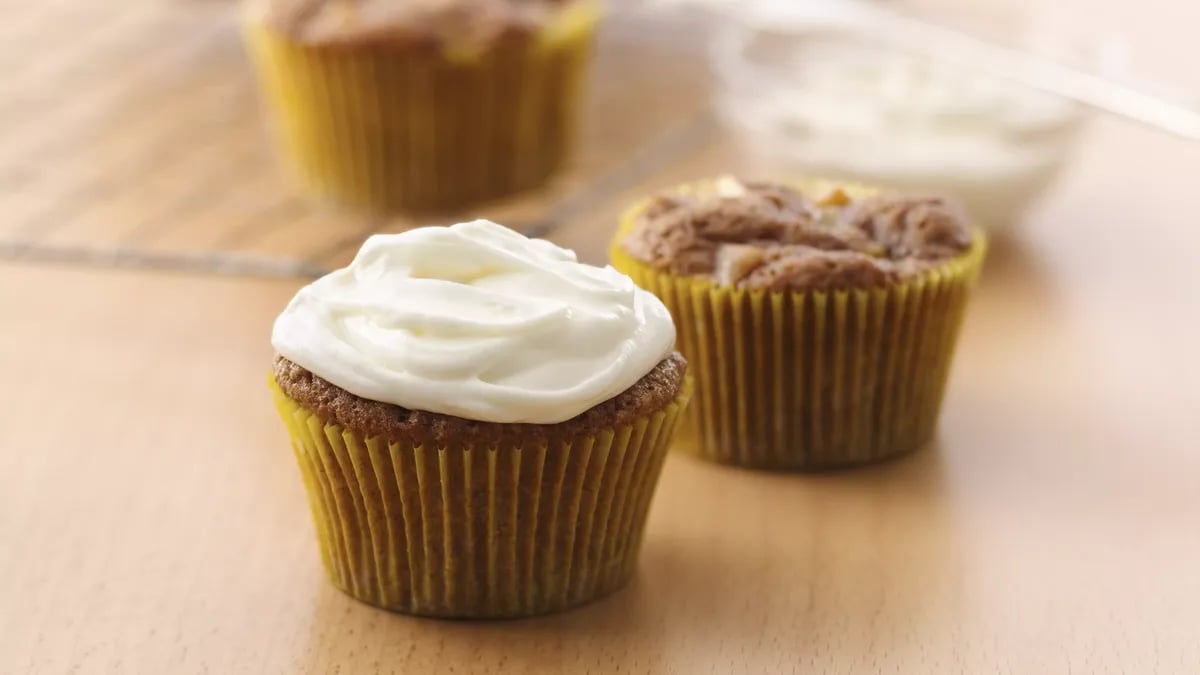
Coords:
477,531
812,380
393,126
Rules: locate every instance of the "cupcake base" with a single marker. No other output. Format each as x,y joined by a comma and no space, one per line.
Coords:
819,381
479,531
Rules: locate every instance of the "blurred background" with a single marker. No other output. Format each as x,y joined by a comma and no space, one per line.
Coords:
138,138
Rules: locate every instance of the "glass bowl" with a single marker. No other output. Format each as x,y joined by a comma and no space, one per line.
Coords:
824,103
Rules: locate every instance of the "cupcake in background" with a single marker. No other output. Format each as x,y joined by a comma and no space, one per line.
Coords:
479,419
422,104
820,319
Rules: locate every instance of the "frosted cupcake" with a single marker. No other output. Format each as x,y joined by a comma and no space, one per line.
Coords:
820,319
422,104
480,420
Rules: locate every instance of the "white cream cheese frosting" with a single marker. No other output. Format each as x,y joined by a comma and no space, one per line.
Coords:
476,321
852,111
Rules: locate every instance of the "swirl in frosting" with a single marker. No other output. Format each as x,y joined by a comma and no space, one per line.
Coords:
476,321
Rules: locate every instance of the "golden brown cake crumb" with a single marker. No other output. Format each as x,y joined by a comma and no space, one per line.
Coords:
773,237
418,22
372,418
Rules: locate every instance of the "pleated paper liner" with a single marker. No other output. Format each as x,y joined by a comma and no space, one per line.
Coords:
812,380
386,127
479,532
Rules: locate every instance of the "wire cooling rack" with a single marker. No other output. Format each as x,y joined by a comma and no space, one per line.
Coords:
132,136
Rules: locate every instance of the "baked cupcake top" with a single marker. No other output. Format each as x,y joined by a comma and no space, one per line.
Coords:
432,22
651,393
771,236
478,322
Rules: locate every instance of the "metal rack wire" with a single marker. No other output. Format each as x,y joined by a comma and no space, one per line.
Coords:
132,138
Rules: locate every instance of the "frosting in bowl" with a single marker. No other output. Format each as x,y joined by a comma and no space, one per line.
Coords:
476,321
860,112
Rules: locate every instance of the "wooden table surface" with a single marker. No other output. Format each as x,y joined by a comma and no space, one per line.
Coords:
152,519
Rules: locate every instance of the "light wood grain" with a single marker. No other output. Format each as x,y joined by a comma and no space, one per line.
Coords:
152,520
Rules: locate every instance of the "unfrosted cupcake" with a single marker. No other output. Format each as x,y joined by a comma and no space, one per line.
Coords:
422,104
479,419
820,319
